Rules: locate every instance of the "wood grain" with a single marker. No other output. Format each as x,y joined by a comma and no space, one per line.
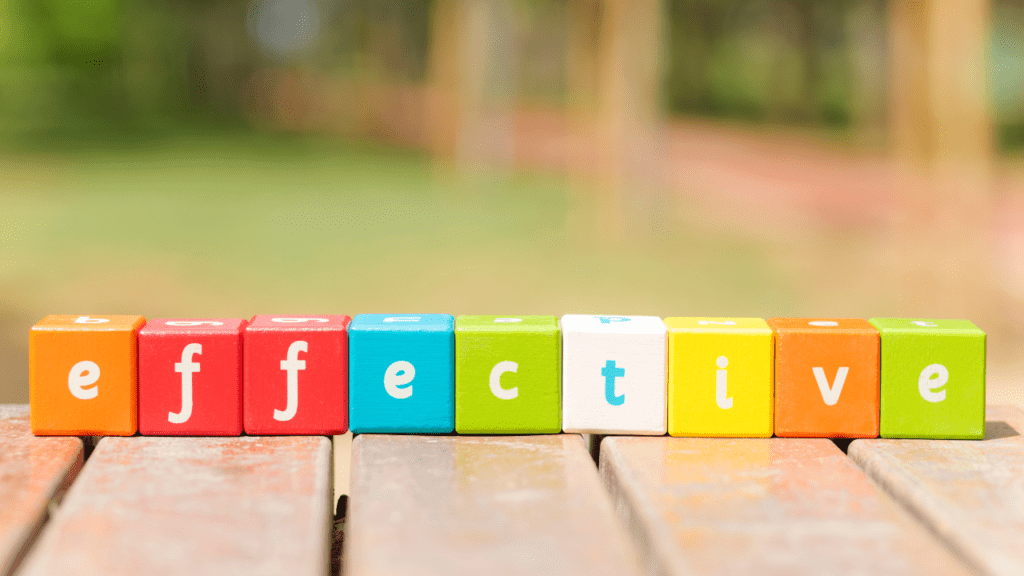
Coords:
761,506
480,505
970,493
34,472
195,506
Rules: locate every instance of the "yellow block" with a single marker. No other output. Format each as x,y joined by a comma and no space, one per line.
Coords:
720,377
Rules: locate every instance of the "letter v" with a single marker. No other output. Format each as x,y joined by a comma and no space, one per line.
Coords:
830,394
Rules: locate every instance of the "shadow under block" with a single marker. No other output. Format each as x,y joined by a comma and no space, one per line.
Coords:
772,506
933,379
969,493
197,506
295,375
497,505
613,374
34,472
83,375
826,378
402,373
507,375
190,377
720,377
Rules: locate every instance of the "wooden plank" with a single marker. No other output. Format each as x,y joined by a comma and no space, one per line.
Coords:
480,505
761,506
148,505
970,493
34,473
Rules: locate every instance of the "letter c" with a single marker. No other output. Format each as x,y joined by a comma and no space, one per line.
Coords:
496,372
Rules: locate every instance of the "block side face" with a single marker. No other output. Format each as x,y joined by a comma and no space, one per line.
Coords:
402,382
506,324
299,323
83,382
742,406
197,326
190,384
915,403
93,323
533,407
403,323
614,383
703,325
827,384
612,324
926,325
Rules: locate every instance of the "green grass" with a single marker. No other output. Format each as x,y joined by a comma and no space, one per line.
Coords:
239,224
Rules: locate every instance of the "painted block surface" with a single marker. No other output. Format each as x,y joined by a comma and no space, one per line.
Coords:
933,378
190,377
720,377
613,374
826,377
83,378
402,373
507,375
295,371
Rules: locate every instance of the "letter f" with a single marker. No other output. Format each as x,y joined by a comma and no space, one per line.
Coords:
186,368
292,365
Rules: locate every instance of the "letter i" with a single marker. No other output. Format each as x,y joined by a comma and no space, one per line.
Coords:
721,384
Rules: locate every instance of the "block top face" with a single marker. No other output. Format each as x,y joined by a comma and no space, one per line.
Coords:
193,326
402,323
506,324
926,325
75,322
699,325
613,324
822,325
299,323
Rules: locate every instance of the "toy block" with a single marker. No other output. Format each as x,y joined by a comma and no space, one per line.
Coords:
295,375
826,378
507,375
932,378
402,373
83,375
720,377
190,377
613,374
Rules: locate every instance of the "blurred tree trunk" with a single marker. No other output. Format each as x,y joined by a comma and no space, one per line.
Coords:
942,138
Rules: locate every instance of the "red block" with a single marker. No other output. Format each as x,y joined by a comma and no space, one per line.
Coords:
296,375
190,377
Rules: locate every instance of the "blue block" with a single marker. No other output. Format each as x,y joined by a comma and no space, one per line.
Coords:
401,373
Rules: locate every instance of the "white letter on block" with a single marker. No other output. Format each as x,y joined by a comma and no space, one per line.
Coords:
925,324
299,320
927,385
186,368
396,377
194,323
496,372
87,320
722,384
830,394
83,374
292,366
716,323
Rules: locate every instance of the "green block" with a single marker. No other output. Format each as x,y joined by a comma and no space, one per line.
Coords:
492,399
917,356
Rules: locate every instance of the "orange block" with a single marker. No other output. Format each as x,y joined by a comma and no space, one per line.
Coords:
826,377
83,375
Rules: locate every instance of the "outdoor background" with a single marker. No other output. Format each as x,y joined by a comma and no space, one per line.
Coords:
190,158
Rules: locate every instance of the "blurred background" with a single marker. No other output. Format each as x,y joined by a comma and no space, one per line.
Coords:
178,158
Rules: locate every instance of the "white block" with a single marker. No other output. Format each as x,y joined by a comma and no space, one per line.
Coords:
613,374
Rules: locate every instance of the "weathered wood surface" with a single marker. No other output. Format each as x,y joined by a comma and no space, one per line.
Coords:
970,493
149,505
761,506
480,505
34,472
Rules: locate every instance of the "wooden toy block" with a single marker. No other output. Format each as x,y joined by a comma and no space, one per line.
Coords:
83,378
402,373
933,378
507,375
295,375
613,374
720,377
826,377
190,377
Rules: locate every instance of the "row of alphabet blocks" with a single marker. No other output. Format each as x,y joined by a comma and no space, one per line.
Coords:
431,373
